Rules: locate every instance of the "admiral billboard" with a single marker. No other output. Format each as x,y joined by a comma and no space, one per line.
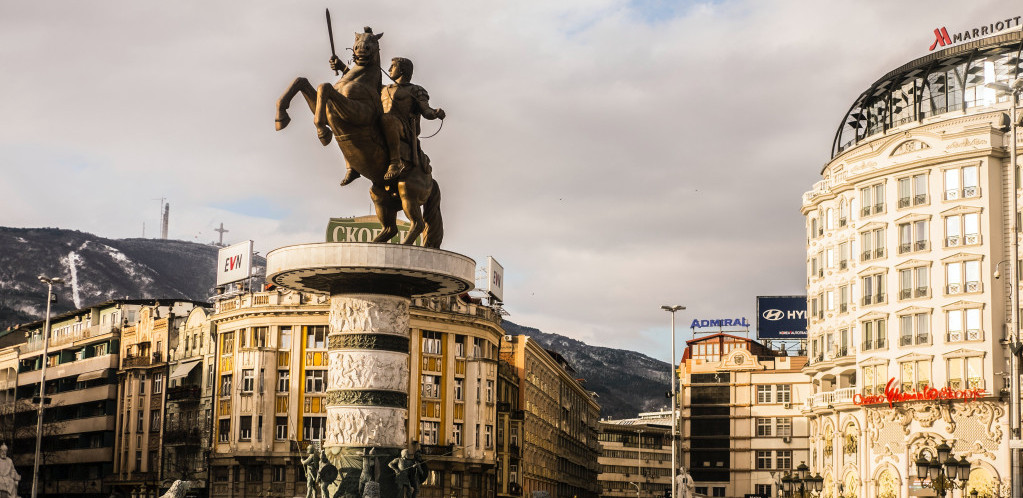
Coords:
781,317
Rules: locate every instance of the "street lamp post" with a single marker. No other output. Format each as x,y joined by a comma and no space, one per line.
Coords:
801,483
944,471
674,397
42,381
1015,460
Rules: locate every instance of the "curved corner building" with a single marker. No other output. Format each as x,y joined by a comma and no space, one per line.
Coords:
906,230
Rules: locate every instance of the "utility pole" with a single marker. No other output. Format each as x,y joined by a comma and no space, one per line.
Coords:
674,397
42,382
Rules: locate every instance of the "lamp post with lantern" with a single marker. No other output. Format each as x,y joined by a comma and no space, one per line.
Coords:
943,473
801,484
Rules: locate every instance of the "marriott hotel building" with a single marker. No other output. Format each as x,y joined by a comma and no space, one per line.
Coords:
908,233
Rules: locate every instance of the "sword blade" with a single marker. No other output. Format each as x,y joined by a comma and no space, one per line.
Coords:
330,34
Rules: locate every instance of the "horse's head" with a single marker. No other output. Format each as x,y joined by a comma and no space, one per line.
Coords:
367,48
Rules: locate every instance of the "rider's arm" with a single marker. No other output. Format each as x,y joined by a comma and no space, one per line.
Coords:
337,65
423,101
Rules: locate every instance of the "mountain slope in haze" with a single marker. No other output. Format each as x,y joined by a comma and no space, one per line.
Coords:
626,382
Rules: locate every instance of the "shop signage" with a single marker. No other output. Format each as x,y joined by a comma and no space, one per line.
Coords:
364,229
892,395
942,39
726,322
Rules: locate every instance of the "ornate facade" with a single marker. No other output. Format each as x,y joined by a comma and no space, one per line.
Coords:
906,233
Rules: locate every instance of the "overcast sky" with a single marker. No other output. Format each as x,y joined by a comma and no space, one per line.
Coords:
613,155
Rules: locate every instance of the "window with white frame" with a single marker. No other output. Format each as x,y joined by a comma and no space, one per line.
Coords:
315,381
316,337
247,380
763,426
916,375
784,392
284,337
875,378
829,219
456,434
962,183
283,381
872,244
963,277
829,300
816,229
914,329
843,298
157,383
873,288
872,199
843,212
843,255
913,282
428,432
281,428
764,394
913,236
875,334
829,257
488,436
783,426
784,459
964,325
966,373
962,230
314,428
459,386
245,428
913,190
764,459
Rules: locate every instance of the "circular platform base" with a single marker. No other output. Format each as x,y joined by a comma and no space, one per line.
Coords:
344,268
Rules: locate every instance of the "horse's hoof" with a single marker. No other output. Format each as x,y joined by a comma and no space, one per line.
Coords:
282,122
324,135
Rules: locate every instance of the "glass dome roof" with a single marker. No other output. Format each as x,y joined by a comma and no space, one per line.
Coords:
942,82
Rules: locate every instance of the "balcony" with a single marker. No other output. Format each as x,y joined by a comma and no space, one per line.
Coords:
137,361
182,435
870,345
183,393
830,398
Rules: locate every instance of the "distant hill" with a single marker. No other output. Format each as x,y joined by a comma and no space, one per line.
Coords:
626,382
97,269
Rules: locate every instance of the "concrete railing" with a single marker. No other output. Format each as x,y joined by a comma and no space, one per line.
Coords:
820,400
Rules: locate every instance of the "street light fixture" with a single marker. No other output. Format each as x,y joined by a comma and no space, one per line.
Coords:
42,380
808,485
674,397
1013,90
944,472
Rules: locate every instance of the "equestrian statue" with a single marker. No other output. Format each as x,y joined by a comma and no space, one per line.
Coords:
377,129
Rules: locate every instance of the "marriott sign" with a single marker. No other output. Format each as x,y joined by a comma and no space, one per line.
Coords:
942,39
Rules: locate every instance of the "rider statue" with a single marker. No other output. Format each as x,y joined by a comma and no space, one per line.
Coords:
404,102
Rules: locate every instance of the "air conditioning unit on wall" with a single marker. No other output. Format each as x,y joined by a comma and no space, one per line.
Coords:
786,439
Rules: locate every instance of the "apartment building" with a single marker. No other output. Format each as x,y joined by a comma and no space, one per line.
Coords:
635,456
740,415
509,431
560,446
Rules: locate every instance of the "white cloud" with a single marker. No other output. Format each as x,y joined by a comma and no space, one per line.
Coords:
613,160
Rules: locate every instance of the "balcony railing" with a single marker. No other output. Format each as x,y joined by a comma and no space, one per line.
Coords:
137,361
183,393
830,398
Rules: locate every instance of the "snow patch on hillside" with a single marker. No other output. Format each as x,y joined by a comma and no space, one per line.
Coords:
130,267
72,263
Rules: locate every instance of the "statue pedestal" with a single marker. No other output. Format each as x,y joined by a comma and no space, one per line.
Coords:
370,287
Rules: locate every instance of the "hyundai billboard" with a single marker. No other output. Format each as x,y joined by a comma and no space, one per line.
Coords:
781,317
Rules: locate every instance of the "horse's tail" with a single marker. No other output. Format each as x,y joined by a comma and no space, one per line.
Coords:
432,217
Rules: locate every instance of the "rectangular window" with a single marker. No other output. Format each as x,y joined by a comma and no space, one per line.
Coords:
872,199
245,428
913,190
784,459
764,460
784,393
914,329
913,236
874,379
431,386
963,325
279,473
490,391
142,383
247,380
431,342
428,432
460,346
313,428
962,183
315,381
763,426
259,336
488,436
154,420
783,426
764,394
284,338
283,381
843,255
873,289
872,244
224,432
874,334
962,230
963,277
281,428
315,337
916,375
763,490
157,383
225,385
843,299
456,434
459,385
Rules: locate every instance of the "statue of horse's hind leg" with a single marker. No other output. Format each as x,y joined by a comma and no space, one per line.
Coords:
413,209
324,93
432,216
386,213
300,85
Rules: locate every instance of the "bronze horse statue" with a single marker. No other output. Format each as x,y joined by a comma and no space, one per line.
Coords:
350,111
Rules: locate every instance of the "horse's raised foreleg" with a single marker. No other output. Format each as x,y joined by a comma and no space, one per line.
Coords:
385,213
301,85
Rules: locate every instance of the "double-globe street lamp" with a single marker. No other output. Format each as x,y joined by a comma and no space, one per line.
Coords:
944,472
42,380
674,397
800,483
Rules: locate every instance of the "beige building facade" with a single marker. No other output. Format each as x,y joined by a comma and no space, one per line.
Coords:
906,232
740,415
635,456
